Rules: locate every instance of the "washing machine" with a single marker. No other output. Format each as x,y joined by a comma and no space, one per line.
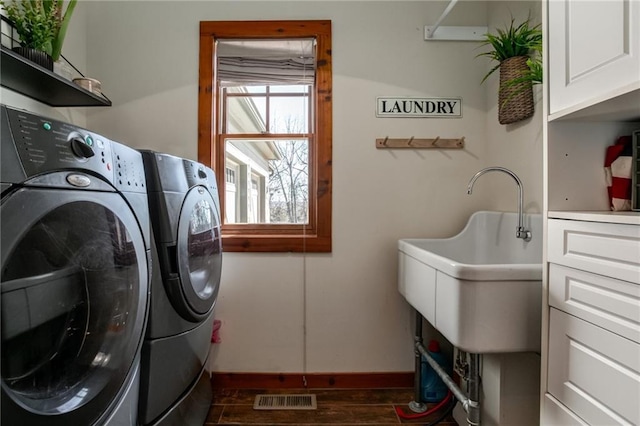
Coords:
75,254
187,253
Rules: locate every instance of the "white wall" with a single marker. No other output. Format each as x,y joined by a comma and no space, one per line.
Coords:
146,55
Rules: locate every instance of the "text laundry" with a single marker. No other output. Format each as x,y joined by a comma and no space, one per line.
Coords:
441,107
418,107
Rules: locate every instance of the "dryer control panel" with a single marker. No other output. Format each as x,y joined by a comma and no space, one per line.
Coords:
198,174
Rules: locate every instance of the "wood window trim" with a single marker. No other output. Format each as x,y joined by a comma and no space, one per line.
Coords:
316,235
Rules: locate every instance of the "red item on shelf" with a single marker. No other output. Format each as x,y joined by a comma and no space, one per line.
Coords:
617,166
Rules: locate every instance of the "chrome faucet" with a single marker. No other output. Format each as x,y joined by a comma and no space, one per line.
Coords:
525,234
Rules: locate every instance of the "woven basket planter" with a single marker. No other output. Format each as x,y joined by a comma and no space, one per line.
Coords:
515,102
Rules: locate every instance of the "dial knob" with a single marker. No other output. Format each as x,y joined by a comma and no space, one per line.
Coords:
81,149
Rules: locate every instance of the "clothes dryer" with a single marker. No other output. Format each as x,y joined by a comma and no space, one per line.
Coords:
75,253
187,249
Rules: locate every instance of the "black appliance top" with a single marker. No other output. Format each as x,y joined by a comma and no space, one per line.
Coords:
168,173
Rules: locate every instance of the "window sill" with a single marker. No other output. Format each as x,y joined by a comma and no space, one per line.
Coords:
276,243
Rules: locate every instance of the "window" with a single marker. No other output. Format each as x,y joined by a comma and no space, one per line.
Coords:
265,127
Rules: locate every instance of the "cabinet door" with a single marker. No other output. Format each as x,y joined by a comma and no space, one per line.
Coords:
556,414
611,304
593,372
608,249
593,50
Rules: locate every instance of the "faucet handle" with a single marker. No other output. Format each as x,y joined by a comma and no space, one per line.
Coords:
523,233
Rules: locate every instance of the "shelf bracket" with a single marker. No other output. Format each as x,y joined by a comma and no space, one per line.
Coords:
446,12
453,33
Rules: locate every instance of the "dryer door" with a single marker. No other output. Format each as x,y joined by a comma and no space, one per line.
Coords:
74,283
199,252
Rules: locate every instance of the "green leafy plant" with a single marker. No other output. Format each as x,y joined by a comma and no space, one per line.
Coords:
41,24
63,23
521,40
35,23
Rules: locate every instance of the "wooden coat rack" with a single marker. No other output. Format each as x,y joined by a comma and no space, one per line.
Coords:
413,143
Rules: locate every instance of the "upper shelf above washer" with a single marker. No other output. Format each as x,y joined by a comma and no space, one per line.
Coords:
29,79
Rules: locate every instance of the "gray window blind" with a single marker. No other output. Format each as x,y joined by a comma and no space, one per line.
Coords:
265,62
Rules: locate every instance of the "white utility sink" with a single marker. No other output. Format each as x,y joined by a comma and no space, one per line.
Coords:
482,288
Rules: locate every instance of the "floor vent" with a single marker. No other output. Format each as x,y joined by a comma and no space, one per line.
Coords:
285,402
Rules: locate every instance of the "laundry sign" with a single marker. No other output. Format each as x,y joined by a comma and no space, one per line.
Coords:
419,107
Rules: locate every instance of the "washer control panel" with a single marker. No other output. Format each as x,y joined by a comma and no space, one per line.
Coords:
45,145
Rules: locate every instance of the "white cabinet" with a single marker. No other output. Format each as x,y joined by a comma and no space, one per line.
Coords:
593,372
593,350
555,413
593,49
591,285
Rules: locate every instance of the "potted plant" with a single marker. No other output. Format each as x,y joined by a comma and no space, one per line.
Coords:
41,26
62,19
517,51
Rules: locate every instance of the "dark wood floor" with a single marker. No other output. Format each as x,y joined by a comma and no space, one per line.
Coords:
335,407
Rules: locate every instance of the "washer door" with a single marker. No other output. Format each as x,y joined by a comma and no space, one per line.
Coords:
199,253
74,283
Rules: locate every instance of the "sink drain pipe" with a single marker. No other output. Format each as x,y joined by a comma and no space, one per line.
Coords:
470,404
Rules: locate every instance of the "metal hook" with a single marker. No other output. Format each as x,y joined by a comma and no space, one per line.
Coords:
410,140
384,142
434,142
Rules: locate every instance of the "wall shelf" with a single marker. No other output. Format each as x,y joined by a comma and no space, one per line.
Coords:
623,217
622,104
29,79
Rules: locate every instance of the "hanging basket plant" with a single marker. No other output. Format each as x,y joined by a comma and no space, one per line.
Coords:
517,50
515,100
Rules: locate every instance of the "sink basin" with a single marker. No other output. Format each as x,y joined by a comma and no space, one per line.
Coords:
482,289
